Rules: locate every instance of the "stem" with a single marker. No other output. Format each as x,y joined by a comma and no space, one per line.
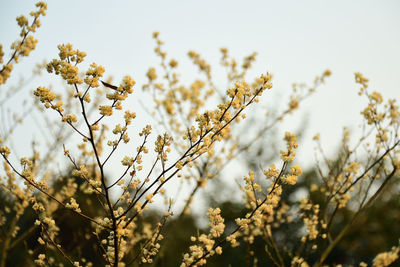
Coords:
103,181
347,228
21,43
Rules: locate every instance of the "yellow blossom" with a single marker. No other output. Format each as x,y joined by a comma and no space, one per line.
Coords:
106,110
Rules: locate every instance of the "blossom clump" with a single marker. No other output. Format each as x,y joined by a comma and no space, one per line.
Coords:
199,253
291,144
45,96
386,258
93,75
106,110
73,205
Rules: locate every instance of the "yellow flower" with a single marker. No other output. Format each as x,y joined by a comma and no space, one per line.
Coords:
291,179
377,97
106,110
173,63
151,74
296,170
5,151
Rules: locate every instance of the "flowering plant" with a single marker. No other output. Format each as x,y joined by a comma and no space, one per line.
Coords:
201,134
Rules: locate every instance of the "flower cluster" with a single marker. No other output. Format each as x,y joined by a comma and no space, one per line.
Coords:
386,258
291,144
66,65
207,248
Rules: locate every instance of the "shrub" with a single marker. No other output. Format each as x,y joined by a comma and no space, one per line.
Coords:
91,213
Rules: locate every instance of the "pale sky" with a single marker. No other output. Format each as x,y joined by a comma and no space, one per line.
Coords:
296,40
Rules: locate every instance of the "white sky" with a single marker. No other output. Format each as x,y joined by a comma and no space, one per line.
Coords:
296,40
